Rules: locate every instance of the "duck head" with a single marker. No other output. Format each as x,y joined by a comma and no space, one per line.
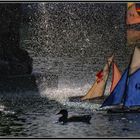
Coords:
63,112
64,117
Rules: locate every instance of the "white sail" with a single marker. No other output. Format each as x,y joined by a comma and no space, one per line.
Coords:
133,36
135,63
116,76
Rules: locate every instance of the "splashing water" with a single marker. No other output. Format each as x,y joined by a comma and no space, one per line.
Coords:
69,41
62,96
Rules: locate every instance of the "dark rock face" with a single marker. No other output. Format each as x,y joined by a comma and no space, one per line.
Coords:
13,60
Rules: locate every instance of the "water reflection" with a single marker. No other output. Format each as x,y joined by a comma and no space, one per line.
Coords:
11,125
34,116
123,124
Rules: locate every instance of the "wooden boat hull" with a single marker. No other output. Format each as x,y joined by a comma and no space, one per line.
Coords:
75,99
98,100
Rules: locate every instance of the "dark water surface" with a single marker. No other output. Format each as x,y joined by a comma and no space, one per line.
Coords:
29,115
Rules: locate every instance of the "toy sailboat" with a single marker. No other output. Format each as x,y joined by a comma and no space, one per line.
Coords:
126,94
125,97
98,88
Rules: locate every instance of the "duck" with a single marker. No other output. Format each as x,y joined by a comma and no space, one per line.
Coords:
65,119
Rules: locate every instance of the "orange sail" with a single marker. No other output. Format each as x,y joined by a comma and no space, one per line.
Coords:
133,17
132,14
116,77
97,89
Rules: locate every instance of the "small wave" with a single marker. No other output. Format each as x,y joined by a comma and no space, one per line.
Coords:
8,112
5,111
84,105
2,107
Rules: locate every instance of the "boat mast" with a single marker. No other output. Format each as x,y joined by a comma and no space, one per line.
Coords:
109,66
127,80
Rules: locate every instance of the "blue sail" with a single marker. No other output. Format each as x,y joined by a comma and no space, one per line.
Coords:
133,90
117,94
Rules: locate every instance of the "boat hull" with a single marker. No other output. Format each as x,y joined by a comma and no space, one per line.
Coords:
98,100
120,110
